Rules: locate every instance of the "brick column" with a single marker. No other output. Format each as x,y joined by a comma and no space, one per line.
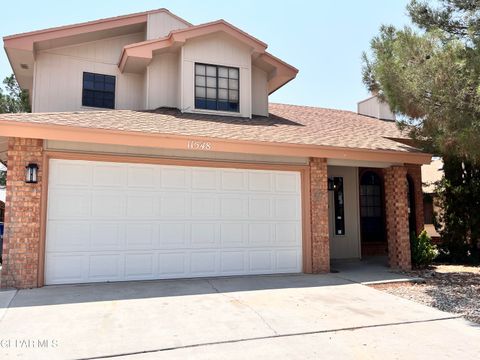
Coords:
415,173
22,215
319,213
396,209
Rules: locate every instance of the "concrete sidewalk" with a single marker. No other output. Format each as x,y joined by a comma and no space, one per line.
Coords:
368,271
240,317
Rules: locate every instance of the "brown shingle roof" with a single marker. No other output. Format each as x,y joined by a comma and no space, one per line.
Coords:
286,124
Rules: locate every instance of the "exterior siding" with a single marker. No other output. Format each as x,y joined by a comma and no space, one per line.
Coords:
23,215
259,92
160,24
163,81
218,50
59,74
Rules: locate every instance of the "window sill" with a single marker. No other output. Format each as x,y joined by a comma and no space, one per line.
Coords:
83,107
214,112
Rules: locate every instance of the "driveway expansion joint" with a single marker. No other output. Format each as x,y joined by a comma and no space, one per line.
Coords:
244,304
306,333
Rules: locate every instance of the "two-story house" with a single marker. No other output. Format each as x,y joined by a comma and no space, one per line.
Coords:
152,152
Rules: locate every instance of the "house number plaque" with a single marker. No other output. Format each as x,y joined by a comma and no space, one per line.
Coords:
199,145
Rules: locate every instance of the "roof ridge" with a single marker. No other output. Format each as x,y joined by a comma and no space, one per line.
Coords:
90,22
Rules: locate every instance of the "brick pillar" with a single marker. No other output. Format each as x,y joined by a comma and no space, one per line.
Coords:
415,173
319,213
396,209
22,215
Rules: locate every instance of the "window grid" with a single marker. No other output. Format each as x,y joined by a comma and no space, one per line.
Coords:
216,87
98,90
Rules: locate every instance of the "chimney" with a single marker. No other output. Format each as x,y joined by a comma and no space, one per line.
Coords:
374,107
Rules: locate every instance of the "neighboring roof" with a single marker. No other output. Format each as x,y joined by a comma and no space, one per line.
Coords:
287,124
431,173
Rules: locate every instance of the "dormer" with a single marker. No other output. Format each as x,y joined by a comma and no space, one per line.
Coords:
146,61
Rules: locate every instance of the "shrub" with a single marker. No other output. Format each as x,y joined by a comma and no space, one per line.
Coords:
423,251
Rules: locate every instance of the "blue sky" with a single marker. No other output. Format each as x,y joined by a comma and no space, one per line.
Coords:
323,39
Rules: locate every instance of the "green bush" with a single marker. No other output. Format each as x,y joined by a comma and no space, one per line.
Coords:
423,251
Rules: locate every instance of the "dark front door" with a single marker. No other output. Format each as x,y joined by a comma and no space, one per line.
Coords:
371,208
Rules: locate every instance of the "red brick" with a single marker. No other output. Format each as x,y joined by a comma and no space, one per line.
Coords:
22,215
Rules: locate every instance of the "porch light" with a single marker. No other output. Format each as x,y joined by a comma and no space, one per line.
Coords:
331,184
31,173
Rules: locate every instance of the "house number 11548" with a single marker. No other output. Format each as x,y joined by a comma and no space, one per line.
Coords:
199,145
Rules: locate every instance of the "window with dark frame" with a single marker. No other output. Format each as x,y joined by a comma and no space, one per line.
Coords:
217,87
339,205
98,90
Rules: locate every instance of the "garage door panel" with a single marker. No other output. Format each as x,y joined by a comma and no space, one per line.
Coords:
67,236
104,267
287,233
69,204
65,268
108,204
175,178
286,183
260,207
140,236
140,266
261,261
175,205
203,263
259,234
105,236
68,174
286,208
203,235
142,176
173,235
173,264
233,234
233,180
204,179
142,206
233,262
111,175
204,206
135,221
233,206
287,260
260,181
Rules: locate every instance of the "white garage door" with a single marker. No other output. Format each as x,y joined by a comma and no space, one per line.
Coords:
117,221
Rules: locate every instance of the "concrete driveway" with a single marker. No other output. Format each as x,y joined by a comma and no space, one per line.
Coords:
296,316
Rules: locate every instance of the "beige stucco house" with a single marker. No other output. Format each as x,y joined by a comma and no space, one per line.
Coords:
153,152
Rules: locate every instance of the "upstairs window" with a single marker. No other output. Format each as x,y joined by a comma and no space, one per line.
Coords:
98,90
216,87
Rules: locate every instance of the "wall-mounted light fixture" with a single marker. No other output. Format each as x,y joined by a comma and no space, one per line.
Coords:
31,173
